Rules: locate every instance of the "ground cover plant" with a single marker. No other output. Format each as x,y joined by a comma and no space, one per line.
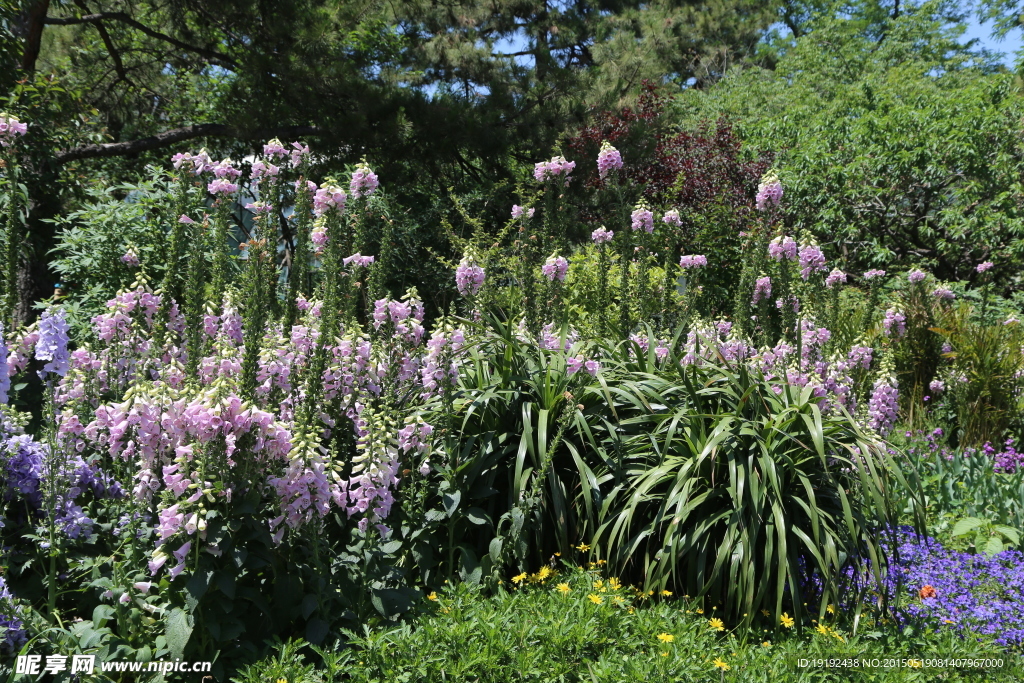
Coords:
641,409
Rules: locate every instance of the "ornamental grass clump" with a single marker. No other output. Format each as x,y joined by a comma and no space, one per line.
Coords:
733,492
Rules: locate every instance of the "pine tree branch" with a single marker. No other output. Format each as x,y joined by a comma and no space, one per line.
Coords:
212,55
170,137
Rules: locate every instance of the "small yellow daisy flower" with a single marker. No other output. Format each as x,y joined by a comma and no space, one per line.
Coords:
822,629
699,610
766,644
599,584
664,654
563,588
831,609
432,596
666,593
583,547
716,624
666,637
766,613
614,584
520,578
787,620
720,664
596,599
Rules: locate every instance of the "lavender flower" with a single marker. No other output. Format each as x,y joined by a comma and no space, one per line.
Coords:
10,127
894,322
329,197
14,632
783,247
762,289
364,181
811,260
553,169
915,276
943,293
602,235
694,261
358,259
642,219
469,277
130,258
672,218
608,159
872,274
982,267
52,345
937,386
5,375
555,268
835,277
883,405
769,191
519,211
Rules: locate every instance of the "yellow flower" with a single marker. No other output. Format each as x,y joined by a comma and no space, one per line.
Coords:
563,588
666,637
614,584
699,610
599,584
618,600
716,624
445,610
600,562
631,610
596,599
282,680
831,609
822,629
664,654
542,575
666,593
948,621
583,547
766,613
766,644
787,620
558,554
915,663
721,664
520,578
432,596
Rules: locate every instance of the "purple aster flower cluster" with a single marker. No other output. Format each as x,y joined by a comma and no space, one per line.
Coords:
916,276
963,592
608,159
555,268
1008,460
10,129
52,345
982,267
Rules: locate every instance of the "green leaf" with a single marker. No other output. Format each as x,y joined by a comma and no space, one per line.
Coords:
179,630
966,525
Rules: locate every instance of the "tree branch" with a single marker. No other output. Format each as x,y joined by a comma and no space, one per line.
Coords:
111,49
35,18
212,55
170,137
